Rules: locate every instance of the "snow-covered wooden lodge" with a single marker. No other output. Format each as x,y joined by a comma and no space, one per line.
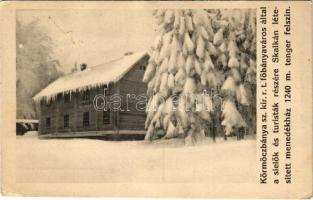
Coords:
67,105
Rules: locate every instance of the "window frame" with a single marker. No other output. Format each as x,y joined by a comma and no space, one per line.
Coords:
85,95
86,122
67,98
66,121
142,67
48,122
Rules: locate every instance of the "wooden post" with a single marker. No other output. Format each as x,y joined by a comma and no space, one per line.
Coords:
56,115
213,129
238,133
118,111
214,133
93,108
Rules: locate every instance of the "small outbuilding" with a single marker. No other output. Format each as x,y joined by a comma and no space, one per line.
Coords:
24,125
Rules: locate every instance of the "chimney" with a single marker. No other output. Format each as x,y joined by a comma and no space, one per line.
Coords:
83,66
128,53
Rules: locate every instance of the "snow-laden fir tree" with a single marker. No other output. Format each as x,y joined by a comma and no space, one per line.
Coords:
195,53
240,52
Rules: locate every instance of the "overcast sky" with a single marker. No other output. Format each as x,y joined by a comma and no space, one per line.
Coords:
94,36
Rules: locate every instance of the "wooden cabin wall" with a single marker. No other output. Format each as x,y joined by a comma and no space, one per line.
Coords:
75,109
130,118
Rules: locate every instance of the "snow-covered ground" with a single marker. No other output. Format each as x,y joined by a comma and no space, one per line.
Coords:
90,160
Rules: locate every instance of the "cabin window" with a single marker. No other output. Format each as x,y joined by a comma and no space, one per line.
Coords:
48,122
142,67
86,119
66,121
67,98
106,117
86,95
59,96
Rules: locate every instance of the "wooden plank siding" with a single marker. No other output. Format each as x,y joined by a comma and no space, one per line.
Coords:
131,86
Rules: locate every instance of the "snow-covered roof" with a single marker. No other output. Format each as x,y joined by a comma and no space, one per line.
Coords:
91,77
